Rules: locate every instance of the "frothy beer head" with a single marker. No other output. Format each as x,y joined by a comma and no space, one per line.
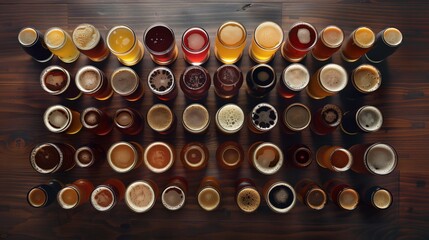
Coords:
369,118
124,81
333,77
196,118
122,157
366,78
160,117
46,158
381,199
37,197
268,35
296,77
380,159
264,117
140,196
88,79
159,157
267,158
280,197
297,117
248,199
364,37
208,198
103,198
392,37
173,198
348,199
27,36
86,36
68,197
230,118
57,118
161,81
332,36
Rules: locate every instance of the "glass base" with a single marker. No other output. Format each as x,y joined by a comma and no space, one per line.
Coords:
170,61
225,61
100,59
197,63
319,59
293,60
373,61
346,59
71,60
259,60
312,96
45,60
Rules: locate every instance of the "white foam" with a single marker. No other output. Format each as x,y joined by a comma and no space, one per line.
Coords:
333,77
381,159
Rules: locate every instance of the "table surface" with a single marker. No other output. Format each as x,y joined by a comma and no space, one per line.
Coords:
403,99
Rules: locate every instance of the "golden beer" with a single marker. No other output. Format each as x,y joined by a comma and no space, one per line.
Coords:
123,43
61,44
230,42
266,41
327,81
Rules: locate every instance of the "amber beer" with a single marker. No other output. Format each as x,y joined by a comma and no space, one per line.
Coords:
229,119
334,158
342,194
375,158
161,119
386,43
124,156
230,155
296,118
126,83
140,196
128,121
230,42
161,44
88,40
105,196
359,42
263,118
260,80
362,120
196,118
327,81
300,40
267,38
378,198
194,156
56,80
247,196
59,119
32,42
159,157
326,119
162,83
61,44
329,41
97,121
293,80
75,194
266,157
300,155
209,194
195,82
123,43
227,81
87,156
366,78
311,194
44,194
174,195
92,81
280,196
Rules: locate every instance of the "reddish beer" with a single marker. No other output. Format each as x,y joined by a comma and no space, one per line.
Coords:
161,44
301,38
329,41
230,155
196,45
195,82
128,121
227,81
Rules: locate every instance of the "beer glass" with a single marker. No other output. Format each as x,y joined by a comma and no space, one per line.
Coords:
300,40
267,38
59,119
87,156
229,118
358,43
61,44
88,40
174,195
227,81
296,118
386,43
378,198
97,121
330,40
162,83
260,80
105,196
92,81
123,43
194,156
326,119
230,42
362,120
208,194
293,80
366,78
126,83
375,158
161,44
43,195
342,194
309,193
52,157
196,118
56,80
32,42
263,118
300,155
140,196
124,156
327,81
230,155
247,196
334,158
266,157
159,157
280,196
196,46
195,82
128,121
75,194
161,119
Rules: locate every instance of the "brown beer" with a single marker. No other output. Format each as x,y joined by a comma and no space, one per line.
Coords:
96,121
359,42
88,40
124,156
161,119
309,193
52,157
194,156
159,157
75,194
44,194
104,197
208,194
87,156
296,118
126,83
334,158
342,194
300,155
329,41
128,121
326,119
247,196
230,155
266,157
57,81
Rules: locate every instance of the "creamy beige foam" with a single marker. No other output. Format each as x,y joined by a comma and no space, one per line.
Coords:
173,198
88,79
381,159
208,198
297,117
27,36
230,118
196,118
159,117
369,118
124,81
332,36
392,36
248,199
382,199
140,196
333,77
86,36
296,76
269,35
364,37
232,34
348,199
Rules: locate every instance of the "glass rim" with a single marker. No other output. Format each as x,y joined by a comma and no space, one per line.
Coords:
103,187
168,90
240,73
384,36
209,188
171,160
170,48
253,189
258,106
286,111
206,113
86,69
55,108
200,68
76,156
83,114
342,70
367,46
33,158
230,145
32,43
168,206
128,70
93,45
366,66
386,191
320,190
312,28
277,167
223,129
348,189
131,205
276,209
121,27
375,109
44,191
371,147
109,157
347,166
265,48
62,43
194,146
204,48
330,45
235,23
61,202
154,108
331,106
132,113
301,67
48,70
263,65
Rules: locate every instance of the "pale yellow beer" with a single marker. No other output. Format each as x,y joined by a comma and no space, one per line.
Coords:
123,43
266,41
61,44
230,42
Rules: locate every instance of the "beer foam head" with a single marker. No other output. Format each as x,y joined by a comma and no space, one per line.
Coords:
68,197
208,198
196,118
296,76
231,156
86,36
158,157
230,118
160,117
392,36
333,77
103,198
267,158
140,196
264,117
297,117
382,199
161,81
124,81
248,199
332,36
27,36
380,159
369,118
366,78
122,157
269,35
348,199
88,79
57,118
364,37
173,198
91,117
232,34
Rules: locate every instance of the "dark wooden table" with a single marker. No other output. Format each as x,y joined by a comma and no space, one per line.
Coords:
403,99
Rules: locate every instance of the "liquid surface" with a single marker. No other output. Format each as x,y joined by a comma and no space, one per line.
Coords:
382,199
121,40
159,117
230,117
333,77
296,77
86,36
367,78
122,156
248,199
268,35
364,37
196,117
332,36
140,196
58,118
124,81
37,197
158,156
208,198
27,36
297,117
381,159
